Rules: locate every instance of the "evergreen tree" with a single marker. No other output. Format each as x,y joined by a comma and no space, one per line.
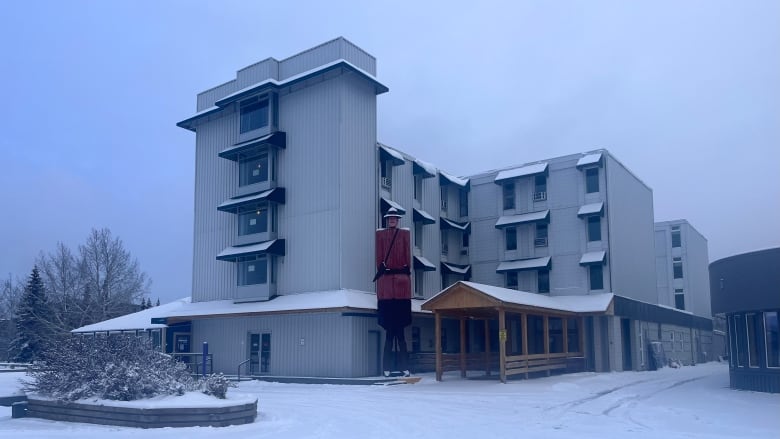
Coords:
33,328
158,302
148,302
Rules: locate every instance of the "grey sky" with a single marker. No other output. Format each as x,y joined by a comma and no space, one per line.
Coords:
686,94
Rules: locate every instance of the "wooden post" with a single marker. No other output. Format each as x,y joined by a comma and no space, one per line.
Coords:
438,345
502,344
581,334
547,339
463,347
524,324
565,330
487,347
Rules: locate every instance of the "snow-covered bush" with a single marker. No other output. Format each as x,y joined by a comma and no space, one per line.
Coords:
215,385
117,367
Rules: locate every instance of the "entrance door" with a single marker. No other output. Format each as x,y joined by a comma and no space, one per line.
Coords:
181,344
625,332
259,353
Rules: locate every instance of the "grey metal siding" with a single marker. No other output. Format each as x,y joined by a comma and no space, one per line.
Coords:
629,211
696,271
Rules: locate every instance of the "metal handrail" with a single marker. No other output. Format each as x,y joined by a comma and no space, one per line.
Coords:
238,375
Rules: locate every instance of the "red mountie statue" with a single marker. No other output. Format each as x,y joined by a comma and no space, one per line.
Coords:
394,291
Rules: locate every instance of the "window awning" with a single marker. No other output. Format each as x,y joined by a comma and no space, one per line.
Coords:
387,153
523,171
426,170
420,263
450,224
277,139
421,216
386,204
275,195
590,159
591,209
274,247
445,178
525,264
543,216
590,258
449,268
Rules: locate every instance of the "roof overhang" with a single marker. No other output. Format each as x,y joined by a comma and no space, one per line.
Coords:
277,139
420,263
445,178
523,171
385,204
525,265
543,216
473,299
591,209
445,224
450,268
423,169
389,154
597,257
421,216
275,195
273,247
594,159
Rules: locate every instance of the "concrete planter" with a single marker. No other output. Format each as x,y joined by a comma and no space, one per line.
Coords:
142,417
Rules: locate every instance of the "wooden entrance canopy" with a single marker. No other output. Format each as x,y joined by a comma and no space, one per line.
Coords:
469,300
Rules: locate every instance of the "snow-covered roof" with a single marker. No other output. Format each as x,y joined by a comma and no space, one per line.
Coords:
455,268
523,171
462,182
511,220
426,264
591,209
591,303
596,257
589,159
262,196
392,203
524,264
397,157
137,320
426,167
272,246
423,216
454,224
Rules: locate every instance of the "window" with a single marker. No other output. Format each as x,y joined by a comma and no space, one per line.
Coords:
253,169
739,333
254,114
444,198
573,334
445,248
511,238
591,180
509,196
418,238
540,188
465,242
418,194
253,220
679,298
252,270
594,228
543,281
511,280
541,235
555,334
772,339
677,267
752,321
676,242
464,203
596,276
418,283
386,172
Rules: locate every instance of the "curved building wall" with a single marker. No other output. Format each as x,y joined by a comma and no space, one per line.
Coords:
746,288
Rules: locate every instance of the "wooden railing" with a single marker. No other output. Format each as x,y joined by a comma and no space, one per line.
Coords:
571,362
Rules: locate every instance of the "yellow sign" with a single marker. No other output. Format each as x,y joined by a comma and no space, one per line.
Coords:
502,335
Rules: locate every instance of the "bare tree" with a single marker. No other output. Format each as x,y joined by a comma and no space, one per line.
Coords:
62,274
10,294
111,275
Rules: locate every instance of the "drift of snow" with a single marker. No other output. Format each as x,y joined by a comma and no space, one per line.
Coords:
689,402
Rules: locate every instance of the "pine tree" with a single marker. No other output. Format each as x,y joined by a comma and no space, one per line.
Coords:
148,302
158,302
33,328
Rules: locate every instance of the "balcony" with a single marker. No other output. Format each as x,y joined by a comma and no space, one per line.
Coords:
540,196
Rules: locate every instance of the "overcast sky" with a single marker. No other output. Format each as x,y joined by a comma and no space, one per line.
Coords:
685,94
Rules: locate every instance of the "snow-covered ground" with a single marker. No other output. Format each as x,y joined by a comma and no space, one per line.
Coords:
690,402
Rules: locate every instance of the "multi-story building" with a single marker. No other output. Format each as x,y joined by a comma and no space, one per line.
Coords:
681,266
291,183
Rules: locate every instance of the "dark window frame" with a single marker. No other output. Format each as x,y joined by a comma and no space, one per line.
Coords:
254,114
508,195
592,180
543,281
510,239
594,228
596,277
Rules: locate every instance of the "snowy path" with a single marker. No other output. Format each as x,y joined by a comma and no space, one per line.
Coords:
691,402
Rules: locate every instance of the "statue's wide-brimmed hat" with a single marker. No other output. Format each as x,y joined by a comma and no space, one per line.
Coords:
393,212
